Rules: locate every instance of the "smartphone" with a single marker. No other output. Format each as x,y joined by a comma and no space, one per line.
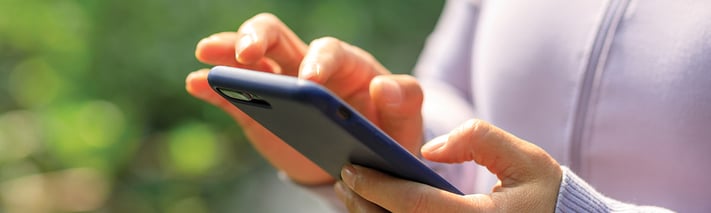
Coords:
318,124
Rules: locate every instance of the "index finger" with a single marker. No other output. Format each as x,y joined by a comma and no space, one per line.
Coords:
265,35
260,42
219,49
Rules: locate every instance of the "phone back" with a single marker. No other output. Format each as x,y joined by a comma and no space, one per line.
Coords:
318,124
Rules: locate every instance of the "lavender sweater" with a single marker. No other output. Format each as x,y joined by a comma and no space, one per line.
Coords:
619,91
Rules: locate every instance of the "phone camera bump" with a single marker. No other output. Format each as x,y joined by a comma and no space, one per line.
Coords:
239,95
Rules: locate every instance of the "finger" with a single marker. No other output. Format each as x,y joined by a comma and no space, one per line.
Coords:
399,102
345,70
196,84
341,67
219,49
353,201
397,195
265,35
510,158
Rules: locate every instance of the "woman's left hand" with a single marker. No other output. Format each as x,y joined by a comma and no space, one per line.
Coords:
529,178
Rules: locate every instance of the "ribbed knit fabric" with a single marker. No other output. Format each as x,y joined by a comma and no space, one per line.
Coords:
575,195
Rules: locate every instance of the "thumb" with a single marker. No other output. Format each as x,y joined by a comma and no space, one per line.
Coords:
398,100
508,157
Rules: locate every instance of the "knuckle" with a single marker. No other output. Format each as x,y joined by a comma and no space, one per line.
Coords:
266,17
326,41
358,185
468,129
471,134
479,129
478,126
414,89
260,21
325,49
407,78
351,203
417,202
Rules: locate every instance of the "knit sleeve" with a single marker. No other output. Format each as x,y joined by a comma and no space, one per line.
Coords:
575,195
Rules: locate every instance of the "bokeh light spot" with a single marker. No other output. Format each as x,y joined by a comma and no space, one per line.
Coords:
34,83
100,122
71,190
19,135
192,149
87,134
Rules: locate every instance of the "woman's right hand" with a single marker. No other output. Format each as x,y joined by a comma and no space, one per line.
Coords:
264,43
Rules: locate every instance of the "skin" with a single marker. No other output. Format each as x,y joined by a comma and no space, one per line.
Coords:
264,43
529,177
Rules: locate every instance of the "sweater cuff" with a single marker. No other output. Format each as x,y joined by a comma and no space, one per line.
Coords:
575,195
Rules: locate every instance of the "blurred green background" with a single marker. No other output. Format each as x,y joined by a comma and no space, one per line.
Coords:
94,116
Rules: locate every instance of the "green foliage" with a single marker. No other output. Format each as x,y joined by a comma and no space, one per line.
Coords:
94,90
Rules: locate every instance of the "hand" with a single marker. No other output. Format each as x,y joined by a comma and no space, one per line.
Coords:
529,178
393,102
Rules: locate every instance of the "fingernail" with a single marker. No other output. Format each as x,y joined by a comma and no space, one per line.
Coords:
198,73
212,38
391,92
348,175
193,88
243,43
191,75
435,144
310,71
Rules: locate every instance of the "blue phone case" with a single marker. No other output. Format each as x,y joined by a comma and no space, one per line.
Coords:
318,124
